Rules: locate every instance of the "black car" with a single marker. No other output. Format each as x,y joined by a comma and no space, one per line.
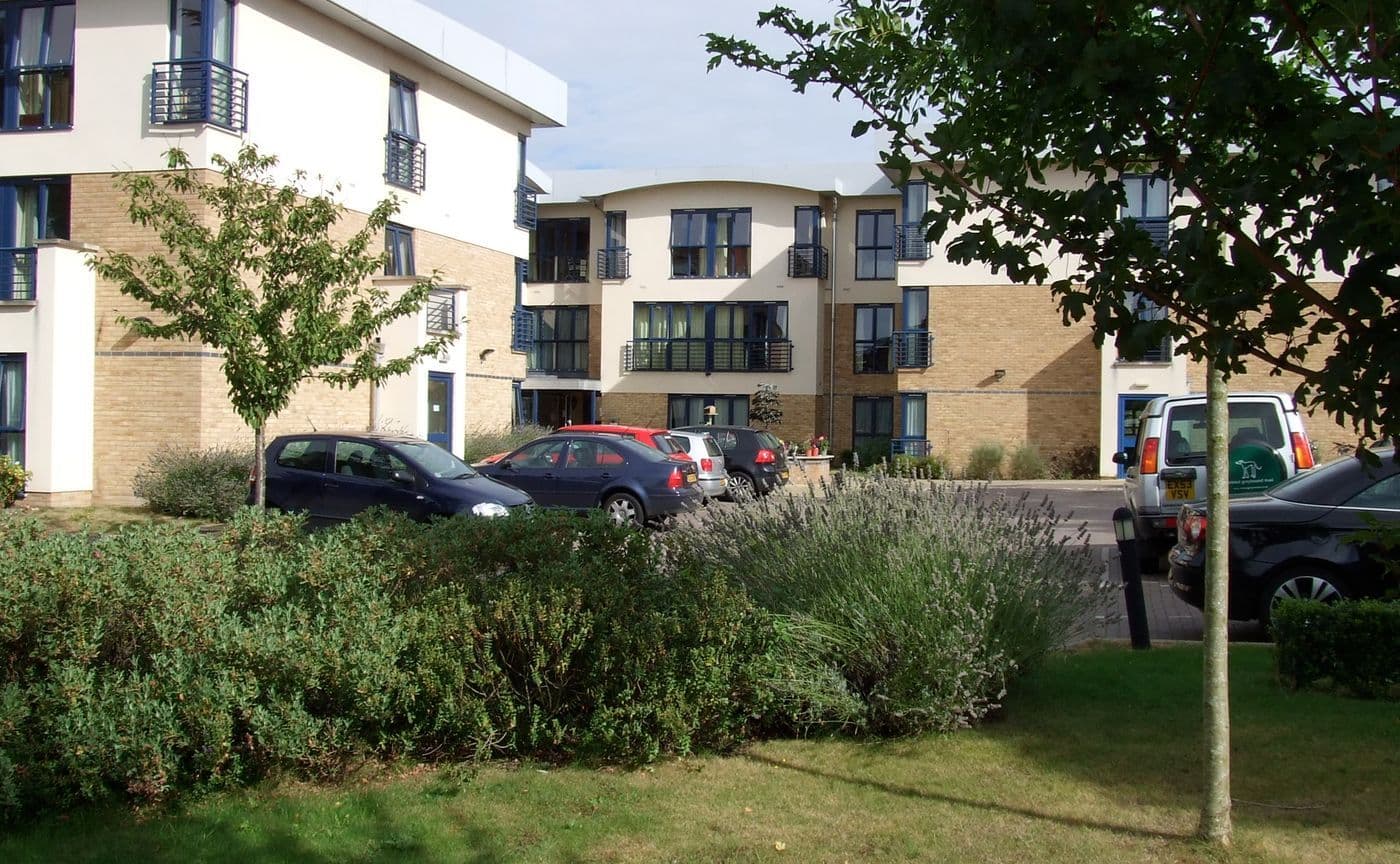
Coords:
1294,540
754,458
630,481
333,476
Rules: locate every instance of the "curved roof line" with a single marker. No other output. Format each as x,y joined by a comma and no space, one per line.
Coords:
838,178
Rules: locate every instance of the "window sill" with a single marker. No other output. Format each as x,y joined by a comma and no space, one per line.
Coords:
691,278
22,129
10,304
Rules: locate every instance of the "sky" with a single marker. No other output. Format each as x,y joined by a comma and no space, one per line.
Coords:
639,95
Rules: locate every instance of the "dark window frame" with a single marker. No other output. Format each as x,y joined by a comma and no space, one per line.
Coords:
865,353
405,154
702,258
710,351
724,404
566,258
394,263
877,249
546,344
12,431
12,74
871,405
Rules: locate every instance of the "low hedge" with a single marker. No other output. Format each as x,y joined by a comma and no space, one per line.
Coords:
1352,646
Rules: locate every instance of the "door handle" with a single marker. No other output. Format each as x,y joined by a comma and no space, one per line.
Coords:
606,475
549,475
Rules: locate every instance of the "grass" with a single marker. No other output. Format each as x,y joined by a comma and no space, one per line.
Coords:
1095,759
93,519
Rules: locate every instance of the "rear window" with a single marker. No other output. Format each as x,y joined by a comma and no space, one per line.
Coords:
304,454
711,447
1250,423
769,440
666,444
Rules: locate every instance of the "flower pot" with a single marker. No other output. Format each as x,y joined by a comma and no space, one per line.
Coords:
811,451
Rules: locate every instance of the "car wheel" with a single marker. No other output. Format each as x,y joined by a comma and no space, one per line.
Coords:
1303,583
623,509
741,487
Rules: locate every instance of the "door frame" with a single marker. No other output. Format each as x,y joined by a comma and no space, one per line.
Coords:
1123,436
443,440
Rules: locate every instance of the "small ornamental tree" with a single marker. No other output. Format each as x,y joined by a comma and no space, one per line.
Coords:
766,406
250,269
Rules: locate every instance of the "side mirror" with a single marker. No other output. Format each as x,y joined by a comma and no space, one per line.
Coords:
403,478
504,465
1120,458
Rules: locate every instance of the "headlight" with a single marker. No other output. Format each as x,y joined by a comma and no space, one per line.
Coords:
490,509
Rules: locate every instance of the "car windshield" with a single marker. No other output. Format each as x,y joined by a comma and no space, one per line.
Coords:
435,460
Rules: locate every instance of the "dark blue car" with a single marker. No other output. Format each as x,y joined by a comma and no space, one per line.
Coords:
630,481
333,476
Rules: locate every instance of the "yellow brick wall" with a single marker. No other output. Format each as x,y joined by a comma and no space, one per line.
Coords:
595,342
633,409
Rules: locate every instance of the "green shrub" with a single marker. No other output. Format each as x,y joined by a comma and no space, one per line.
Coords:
1028,464
872,453
899,606
481,443
12,480
205,484
985,462
1079,463
1353,646
925,467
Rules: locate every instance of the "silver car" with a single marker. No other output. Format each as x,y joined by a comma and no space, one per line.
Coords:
709,459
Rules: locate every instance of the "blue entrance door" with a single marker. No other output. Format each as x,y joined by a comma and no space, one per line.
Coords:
440,409
1129,412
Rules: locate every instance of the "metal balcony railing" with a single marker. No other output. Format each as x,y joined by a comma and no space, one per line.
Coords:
522,329
561,359
405,162
909,242
527,208
557,268
707,355
17,269
1160,352
199,91
806,261
911,447
1157,229
913,349
615,263
442,312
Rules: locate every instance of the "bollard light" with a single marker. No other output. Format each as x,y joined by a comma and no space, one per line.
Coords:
1123,525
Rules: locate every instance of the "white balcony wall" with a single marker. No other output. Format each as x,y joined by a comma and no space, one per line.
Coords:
401,403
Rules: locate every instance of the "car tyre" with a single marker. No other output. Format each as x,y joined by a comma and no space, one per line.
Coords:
624,509
1306,583
741,487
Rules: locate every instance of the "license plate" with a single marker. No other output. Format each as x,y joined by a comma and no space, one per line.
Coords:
1181,490
692,478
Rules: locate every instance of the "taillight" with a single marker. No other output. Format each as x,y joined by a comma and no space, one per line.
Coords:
765,457
1148,465
707,464
1193,529
675,481
1302,451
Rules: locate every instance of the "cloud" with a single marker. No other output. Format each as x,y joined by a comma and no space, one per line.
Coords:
639,95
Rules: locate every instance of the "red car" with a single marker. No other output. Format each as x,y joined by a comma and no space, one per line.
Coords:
656,439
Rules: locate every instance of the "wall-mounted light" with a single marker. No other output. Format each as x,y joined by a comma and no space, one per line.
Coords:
485,352
998,374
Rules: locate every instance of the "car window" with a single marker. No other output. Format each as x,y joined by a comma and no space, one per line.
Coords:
769,440
1250,423
1384,495
711,447
366,461
727,439
592,454
436,461
539,454
304,454
666,445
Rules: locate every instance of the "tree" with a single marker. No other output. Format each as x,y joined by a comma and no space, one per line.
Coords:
1273,123
251,270
766,407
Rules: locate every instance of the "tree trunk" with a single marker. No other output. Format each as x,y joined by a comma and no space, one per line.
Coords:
1215,808
260,465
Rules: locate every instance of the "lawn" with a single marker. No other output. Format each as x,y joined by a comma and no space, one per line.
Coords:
1093,760
92,519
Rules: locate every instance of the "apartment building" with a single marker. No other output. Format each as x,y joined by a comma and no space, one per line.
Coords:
370,97
658,294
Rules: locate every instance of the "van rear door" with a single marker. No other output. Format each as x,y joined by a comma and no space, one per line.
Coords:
1253,420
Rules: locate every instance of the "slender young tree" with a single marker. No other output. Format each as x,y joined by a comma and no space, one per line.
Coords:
766,406
1274,123
250,269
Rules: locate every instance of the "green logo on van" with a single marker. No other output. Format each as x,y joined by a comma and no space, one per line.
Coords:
1254,468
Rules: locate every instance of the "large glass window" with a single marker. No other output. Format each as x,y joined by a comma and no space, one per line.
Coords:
685,410
875,244
704,337
913,416
874,332
30,210
561,341
398,243
202,30
559,251
200,85
873,421
405,156
807,226
710,243
36,80
12,374
914,201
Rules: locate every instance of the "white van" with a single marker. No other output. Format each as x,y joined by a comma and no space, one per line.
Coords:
1167,468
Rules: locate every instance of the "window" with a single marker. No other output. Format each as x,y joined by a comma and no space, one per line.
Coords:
690,410
914,200
587,453
613,258
1249,422
366,461
559,251
873,421
30,210
1148,204
807,257
306,454
541,454
915,309
1384,495
526,199
405,154
199,84
707,337
913,416
442,311
875,244
36,81
398,244
710,243
874,334
12,380
561,341
807,226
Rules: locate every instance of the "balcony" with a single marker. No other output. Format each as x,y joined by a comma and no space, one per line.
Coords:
909,242
442,312
522,330
614,263
199,91
806,261
405,162
913,349
707,355
527,208
557,268
17,271
911,447
1157,229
